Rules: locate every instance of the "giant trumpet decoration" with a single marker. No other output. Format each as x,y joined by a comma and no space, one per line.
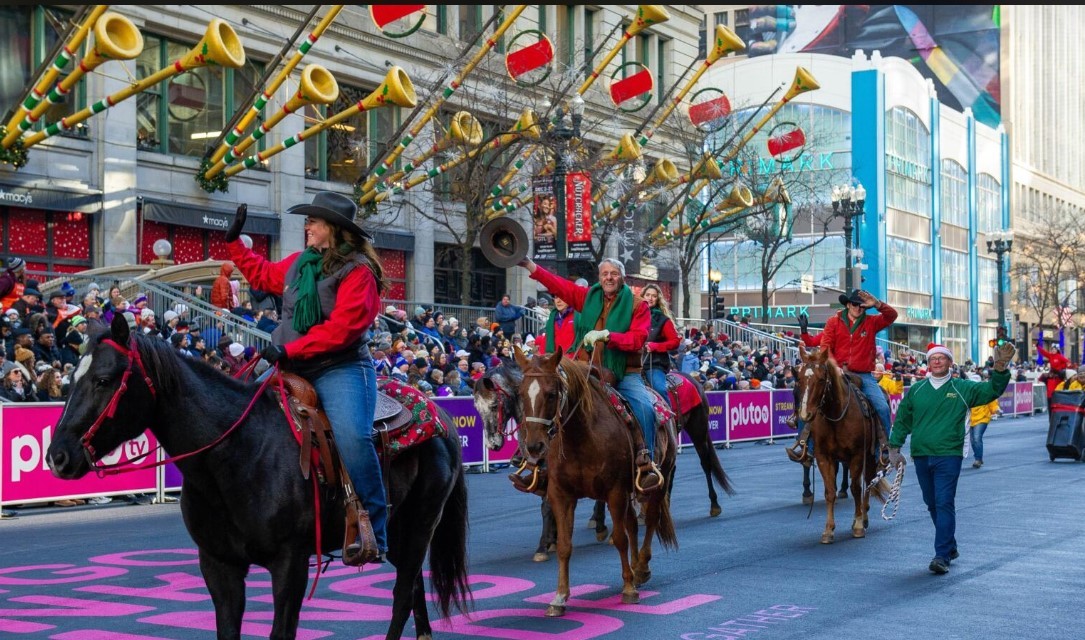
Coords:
398,150
464,130
115,38
235,134
647,15
396,89
219,46
663,174
704,172
527,126
317,86
15,126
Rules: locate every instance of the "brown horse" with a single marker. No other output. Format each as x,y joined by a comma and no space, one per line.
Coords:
830,404
588,447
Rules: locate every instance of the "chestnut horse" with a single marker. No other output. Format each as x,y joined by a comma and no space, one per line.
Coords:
841,433
497,400
588,447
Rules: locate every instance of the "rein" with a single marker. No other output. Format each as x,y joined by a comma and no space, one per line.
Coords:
894,490
132,353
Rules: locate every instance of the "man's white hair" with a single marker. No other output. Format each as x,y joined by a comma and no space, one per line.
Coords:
615,262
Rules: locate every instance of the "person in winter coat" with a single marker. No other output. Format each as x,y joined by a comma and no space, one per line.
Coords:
506,314
933,413
222,295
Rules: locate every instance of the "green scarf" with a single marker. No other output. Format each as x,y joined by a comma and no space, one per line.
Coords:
551,330
621,315
307,310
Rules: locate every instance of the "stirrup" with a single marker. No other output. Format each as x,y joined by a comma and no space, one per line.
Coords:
533,482
360,543
798,452
649,478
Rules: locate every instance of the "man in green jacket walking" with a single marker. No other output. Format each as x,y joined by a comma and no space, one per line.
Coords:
935,412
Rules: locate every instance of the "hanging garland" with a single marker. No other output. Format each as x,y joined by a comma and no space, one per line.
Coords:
15,155
218,183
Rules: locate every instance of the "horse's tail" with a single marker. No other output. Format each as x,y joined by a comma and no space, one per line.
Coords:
665,530
448,550
881,490
706,451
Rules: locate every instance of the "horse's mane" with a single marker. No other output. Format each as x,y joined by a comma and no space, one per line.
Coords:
580,385
165,367
840,385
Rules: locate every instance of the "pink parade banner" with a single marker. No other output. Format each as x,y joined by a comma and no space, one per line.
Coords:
26,430
749,415
1022,398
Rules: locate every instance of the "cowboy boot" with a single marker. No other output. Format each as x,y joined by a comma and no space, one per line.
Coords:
649,478
793,421
533,481
799,452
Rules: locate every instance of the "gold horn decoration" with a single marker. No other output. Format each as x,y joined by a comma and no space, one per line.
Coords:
627,150
664,173
526,127
219,46
258,106
802,82
454,84
115,38
740,196
647,15
396,89
317,86
15,126
465,130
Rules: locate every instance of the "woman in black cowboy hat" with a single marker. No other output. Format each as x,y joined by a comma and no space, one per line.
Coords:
331,296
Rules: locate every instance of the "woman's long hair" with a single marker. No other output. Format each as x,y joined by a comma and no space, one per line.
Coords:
661,302
344,243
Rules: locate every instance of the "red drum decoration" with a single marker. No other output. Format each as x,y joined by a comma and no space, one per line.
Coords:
385,14
531,57
638,85
709,114
785,138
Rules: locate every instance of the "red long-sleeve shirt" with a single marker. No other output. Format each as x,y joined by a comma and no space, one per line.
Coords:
631,341
564,332
356,302
853,344
810,341
670,339
1056,360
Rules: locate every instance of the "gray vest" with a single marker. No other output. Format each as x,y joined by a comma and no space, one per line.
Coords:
327,288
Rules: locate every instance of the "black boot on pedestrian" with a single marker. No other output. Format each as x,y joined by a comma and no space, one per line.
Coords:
938,566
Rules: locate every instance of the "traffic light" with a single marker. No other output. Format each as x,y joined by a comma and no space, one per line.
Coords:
721,306
1000,338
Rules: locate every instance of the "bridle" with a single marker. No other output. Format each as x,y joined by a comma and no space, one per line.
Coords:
827,391
553,425
134,360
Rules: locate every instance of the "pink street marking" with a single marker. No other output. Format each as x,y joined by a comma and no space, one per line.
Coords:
177,587
205,621
22,626
592,625
186,557
73,608
365,586
99,634
73,573
614,602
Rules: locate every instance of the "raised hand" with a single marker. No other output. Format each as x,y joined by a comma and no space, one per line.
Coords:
868,299
234,232
1003,354
804,323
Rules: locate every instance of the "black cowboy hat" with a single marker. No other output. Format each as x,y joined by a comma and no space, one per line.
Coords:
853,298
332,208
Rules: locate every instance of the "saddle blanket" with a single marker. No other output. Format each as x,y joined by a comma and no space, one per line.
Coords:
663,412
425,421
683,394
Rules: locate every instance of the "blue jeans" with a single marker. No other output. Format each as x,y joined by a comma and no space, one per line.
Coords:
632,388
975,436
658,379
873,391
938,477
348,394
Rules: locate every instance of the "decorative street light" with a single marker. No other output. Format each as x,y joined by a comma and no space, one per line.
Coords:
848,203
714,278
1000,243
564,131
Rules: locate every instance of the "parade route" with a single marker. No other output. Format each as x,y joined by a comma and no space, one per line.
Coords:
758,571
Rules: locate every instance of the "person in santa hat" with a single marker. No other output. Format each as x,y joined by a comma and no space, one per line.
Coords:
1057,364
935,413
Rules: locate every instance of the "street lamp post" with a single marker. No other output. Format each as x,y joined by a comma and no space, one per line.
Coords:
1000,243
714,277
848,203
565,130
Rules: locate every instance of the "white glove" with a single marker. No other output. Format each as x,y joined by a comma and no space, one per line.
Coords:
595,335
895,457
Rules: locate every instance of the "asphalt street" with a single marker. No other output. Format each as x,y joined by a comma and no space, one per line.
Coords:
758,571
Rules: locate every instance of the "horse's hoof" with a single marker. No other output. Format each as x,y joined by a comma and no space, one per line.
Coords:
601,535
715,511
641,578
826,538
807,500
555,611
591,523
631,598
552,547
858,533
540,557
840,495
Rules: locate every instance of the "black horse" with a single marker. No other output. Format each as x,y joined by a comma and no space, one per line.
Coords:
496,400
244,499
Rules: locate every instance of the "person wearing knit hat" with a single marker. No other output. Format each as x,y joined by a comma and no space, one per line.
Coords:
934,413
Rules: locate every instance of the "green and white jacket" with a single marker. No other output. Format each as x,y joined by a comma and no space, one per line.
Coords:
937,418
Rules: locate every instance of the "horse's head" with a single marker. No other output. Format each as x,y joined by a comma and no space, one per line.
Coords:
497,400
812,381
544,394
109,402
